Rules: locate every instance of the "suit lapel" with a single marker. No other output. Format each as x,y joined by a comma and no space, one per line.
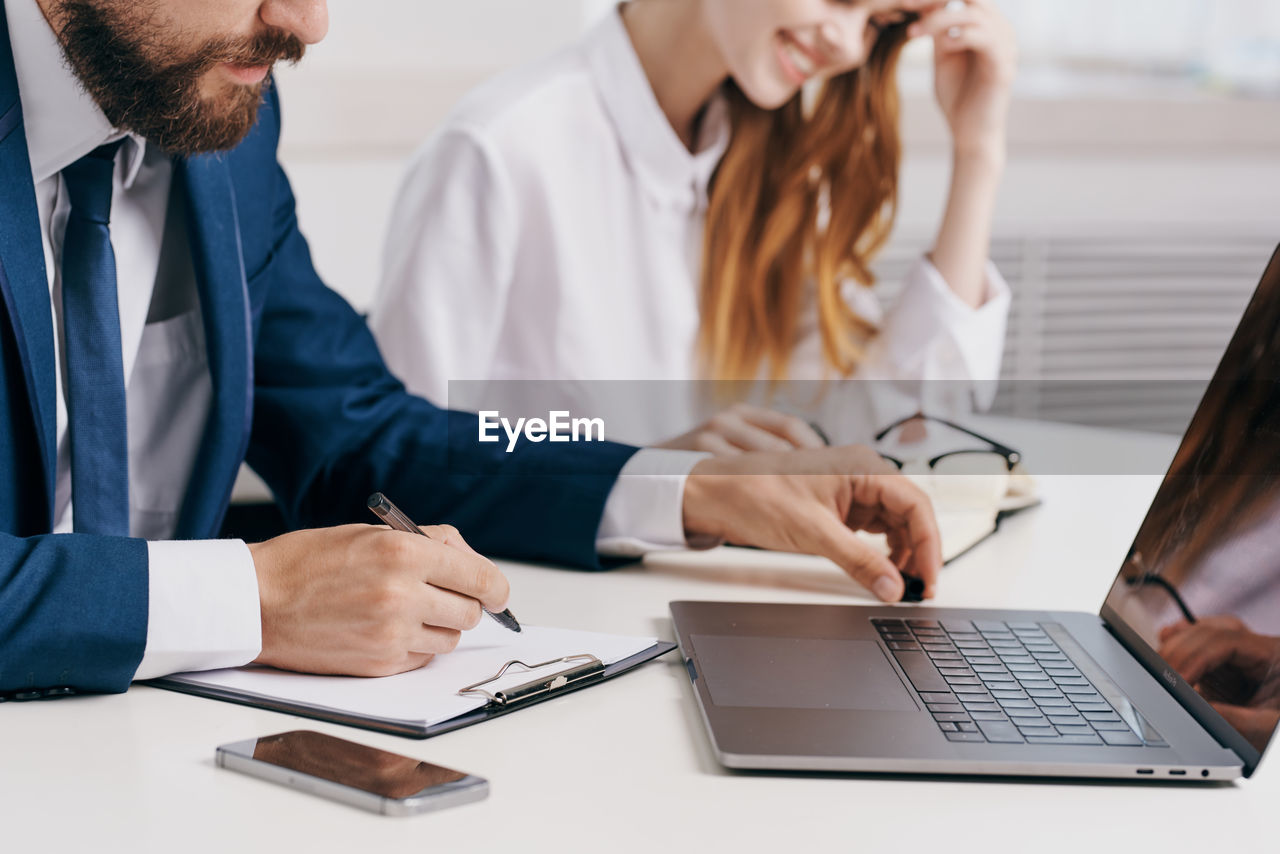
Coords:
214,235
24,283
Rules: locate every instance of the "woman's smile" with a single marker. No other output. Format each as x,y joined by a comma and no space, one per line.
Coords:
799,62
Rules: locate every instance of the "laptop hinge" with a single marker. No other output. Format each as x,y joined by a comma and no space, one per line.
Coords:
1183,694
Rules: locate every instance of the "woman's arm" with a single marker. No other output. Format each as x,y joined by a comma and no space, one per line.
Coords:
964,239
447,267
975,57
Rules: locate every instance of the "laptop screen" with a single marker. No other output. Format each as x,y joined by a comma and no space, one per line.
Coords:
1201,584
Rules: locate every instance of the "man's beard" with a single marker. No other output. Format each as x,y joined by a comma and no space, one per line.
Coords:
149,88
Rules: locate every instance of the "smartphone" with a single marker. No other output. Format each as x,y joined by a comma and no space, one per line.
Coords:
355,774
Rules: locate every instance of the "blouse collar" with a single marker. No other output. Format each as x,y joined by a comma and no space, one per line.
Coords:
672,175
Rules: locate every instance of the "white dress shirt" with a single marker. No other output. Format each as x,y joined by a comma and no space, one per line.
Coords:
553,229
204,611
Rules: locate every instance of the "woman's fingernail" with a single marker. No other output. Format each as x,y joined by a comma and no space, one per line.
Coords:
887,589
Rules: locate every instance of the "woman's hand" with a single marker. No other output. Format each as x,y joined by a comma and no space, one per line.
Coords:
975,56
744,429
975,59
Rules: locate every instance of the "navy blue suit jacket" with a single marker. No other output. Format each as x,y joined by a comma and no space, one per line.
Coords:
300,391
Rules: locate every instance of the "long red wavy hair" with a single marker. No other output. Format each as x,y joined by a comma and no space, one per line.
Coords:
769,232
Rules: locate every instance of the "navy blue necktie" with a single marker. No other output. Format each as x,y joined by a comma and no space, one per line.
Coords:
96,410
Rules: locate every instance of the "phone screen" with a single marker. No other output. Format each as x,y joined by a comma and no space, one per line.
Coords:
378,772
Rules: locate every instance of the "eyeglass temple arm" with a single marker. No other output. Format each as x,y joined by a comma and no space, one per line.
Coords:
1147,579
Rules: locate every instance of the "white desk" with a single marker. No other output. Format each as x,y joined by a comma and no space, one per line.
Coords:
625,766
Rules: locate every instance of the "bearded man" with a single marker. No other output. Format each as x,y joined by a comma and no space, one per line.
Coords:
161,323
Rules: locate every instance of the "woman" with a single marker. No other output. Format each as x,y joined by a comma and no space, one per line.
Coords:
695,191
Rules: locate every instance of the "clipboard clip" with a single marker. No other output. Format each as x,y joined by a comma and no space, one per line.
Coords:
589,670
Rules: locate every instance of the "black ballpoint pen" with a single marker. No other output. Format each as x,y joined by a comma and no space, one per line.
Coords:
389,513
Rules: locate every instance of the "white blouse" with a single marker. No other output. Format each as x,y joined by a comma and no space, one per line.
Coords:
552,230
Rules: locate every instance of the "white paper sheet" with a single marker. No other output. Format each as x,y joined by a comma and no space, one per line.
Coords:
429,695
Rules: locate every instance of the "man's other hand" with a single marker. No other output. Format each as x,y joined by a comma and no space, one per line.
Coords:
813,502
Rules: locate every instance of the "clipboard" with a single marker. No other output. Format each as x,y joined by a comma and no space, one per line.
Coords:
553,678
606,672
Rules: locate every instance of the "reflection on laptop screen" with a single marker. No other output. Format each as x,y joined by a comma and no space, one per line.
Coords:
1201,585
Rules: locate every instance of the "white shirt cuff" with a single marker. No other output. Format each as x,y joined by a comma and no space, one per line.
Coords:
934,336
645,510
204,612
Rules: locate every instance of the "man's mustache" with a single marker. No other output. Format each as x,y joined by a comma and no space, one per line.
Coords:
265,48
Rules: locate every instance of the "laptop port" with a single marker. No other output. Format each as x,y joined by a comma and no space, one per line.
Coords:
1177,772
1146,771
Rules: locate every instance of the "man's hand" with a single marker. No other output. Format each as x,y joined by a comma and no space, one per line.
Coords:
1219,643
1235,669
812,502
365,600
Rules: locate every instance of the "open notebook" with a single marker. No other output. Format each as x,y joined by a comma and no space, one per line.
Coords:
970,508
428,701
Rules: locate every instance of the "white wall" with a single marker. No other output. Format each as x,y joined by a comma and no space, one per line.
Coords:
424,35
373,89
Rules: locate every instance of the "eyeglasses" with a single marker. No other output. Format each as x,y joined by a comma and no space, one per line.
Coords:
1146,578
998,458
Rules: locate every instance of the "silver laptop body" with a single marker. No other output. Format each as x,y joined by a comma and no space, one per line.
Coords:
1035,693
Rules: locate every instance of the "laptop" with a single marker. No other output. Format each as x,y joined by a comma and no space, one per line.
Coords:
1177,678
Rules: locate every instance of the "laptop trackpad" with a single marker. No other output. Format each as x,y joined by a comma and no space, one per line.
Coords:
800,673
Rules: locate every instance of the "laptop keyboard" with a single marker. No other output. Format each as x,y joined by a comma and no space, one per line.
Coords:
1005,683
